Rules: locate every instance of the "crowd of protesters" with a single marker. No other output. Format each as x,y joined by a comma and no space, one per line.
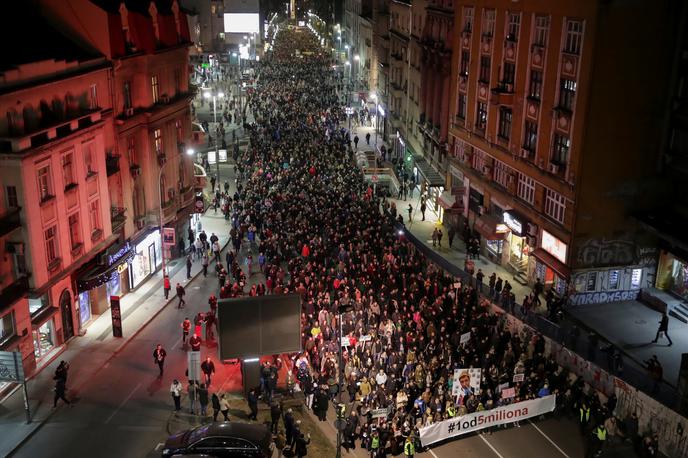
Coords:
321,233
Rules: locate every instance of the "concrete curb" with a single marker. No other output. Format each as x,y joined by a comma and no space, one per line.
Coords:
118,350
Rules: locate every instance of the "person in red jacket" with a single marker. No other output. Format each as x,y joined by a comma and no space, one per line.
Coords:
305,251
186,327
166,285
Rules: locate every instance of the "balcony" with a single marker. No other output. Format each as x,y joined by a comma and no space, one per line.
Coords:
503,94
12,292
186,197
169,210
9,221
117,218
112,164
42,135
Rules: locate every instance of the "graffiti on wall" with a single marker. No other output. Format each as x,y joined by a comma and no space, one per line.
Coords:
614,252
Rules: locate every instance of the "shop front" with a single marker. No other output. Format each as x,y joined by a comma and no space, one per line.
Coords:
109,277
431,185
492,233
476,200
519,241
672,274
147,258
550,263
43,329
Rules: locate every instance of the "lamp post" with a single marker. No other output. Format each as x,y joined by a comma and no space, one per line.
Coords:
214,96
189,152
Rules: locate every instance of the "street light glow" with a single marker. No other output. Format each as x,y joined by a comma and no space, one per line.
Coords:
356,57
347,63
346,46
190,151
220,94
206,95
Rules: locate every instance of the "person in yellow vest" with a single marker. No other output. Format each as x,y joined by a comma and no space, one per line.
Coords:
374,444
409,448
451,410
599,437
584,417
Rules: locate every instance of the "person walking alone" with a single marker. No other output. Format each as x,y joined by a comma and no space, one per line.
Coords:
663,328
410,212
189,263
181,292
176,392
215,401
208,369
253,405
203,399
422,208
159,355
224,406
166,285
186,327
61,384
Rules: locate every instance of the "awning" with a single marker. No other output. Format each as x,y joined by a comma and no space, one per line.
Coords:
487,227
433,178
446,200
43,316
552,262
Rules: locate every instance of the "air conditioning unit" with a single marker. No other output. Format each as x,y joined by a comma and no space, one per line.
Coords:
129,111
140,223
553,168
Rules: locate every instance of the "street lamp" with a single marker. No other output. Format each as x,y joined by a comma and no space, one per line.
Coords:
214,96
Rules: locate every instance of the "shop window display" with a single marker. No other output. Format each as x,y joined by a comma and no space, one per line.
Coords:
44,339
679,278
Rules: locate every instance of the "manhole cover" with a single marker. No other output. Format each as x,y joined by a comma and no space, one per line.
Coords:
640,322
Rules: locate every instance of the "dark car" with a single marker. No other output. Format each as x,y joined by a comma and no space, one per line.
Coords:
227,439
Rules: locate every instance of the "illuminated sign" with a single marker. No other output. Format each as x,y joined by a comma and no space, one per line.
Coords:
553,246
515,225
501,229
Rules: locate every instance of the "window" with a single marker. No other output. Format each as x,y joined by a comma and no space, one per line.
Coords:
481,119
51,252
74,231
178,126
461,111
509,72
574,36
155,85
541,30
555,205
591,281
178,80
126,93
131,150
157,138
560,152
467,19
89,158
567,93
526,188
505,117
465,60
485,69
68,169
530,136
636,276
12,198
479,160
7,326
94,97
45,183
501,173
94,215
613,279
488,23
514,26
535,87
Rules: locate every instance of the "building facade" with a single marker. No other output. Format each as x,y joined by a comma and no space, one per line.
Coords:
54,199
549,150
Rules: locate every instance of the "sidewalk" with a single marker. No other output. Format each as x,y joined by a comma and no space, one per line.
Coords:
619,317
90,353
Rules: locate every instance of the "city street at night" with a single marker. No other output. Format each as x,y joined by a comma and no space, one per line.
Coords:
344,229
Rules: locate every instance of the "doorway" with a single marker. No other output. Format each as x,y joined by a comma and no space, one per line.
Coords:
66,311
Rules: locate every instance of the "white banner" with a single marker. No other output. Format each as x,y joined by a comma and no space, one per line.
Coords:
479,420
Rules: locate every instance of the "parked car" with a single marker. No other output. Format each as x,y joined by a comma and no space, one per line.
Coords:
226,439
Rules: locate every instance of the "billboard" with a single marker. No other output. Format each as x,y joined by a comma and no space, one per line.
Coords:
242,23
251,327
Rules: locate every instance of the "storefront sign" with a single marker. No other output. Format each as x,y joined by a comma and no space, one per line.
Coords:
553,246
515,225
604,297
168,236
116,316
119,254
199,205
501,228
476,421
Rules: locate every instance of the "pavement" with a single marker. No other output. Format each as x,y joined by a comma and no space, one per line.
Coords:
619,318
